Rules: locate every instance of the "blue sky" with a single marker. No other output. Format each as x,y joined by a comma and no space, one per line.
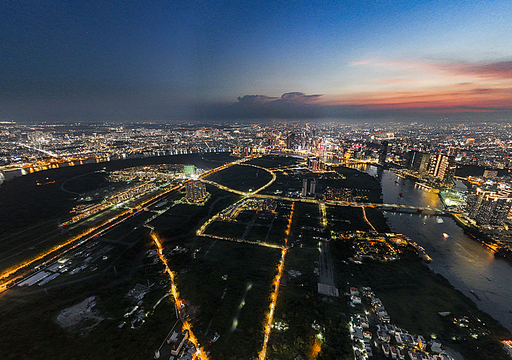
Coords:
171,61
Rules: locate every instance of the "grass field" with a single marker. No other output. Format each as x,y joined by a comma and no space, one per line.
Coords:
250,270
242,178
184,219
345,218
284,183
274,161
366,187
299,306
29,315
226,229
257,233
24,203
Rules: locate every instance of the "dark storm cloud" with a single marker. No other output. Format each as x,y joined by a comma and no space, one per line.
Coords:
291,97
299,97
289,105
297,105
255,99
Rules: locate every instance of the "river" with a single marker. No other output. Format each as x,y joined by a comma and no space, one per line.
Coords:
466,263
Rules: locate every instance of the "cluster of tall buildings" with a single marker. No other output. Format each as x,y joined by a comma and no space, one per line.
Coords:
196,191
315,164
438,166
308,187
490,207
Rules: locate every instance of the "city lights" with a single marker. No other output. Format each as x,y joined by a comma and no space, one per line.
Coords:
269,318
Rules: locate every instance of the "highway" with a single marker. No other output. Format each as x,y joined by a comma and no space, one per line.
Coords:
11,276
390,207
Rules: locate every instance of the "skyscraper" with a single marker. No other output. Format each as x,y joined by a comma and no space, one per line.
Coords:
312,187
418,161
383,152
304,187
491,208
196,191
442,167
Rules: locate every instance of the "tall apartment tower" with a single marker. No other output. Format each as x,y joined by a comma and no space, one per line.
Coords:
196,191
383,152
312,187
304,192
491,208
418,161
442,167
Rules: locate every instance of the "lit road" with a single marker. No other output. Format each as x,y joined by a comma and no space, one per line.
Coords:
200,353
12,275
269,319
391,207
321,203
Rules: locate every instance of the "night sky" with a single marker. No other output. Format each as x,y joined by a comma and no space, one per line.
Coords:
174,61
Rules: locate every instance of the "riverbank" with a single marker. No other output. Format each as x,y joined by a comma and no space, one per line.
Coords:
470,230
425,303
474,233
460,258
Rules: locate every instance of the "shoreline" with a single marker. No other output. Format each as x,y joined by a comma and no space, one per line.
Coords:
475,235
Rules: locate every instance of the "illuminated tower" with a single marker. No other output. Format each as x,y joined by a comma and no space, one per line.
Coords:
304,187
442,167
312,187
491,208
196,191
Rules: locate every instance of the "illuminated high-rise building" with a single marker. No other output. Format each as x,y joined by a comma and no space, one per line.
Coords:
312,187
304,191
442,167
418,161
196,191
311,190
493,208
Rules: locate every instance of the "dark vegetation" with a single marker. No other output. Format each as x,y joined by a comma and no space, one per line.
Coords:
366,188
29,324
250,270
226,229
300,305
411,293
290,182
275,161
242,178
377,219
345,218
476,170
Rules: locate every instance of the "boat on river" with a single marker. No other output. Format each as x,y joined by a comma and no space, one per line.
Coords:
475,294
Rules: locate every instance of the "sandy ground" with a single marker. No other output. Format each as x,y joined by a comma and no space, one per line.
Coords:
454,354
72,317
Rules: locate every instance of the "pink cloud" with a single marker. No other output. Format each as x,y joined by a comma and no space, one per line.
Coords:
490,69
500,69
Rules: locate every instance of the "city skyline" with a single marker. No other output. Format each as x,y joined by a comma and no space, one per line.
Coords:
129,61
234,241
